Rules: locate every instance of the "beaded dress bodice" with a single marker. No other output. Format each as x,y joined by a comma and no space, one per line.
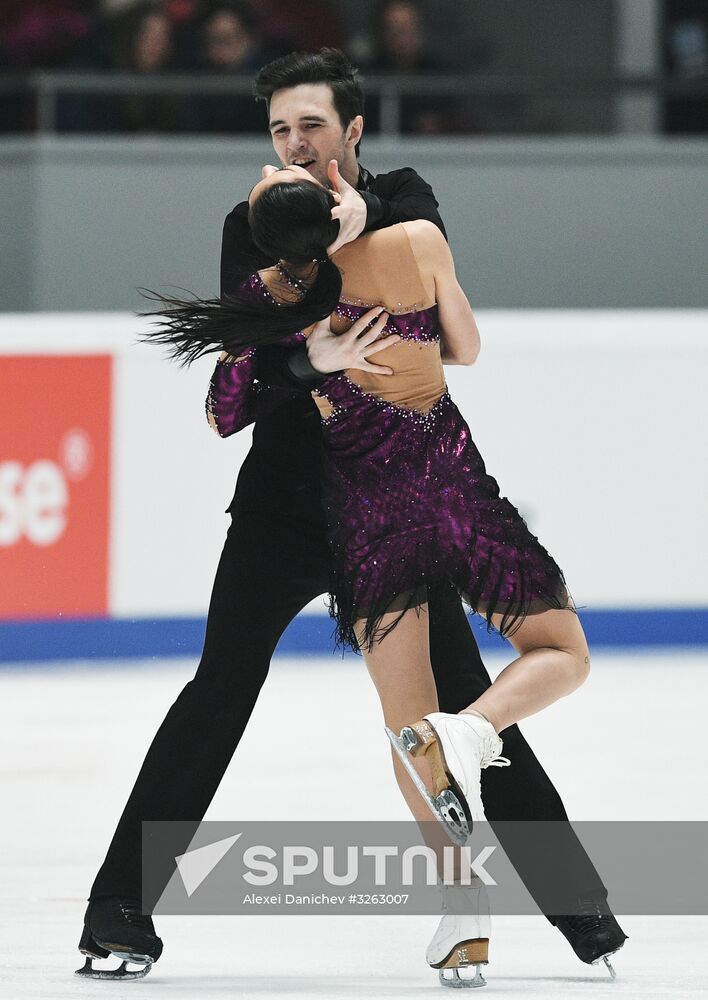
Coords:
378,271
408,502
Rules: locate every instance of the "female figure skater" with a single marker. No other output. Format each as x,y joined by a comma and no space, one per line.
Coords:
408,500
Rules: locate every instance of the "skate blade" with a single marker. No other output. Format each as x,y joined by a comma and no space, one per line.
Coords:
87,971
606,960
446,807
455,981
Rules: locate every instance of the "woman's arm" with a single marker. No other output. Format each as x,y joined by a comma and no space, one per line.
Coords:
231,401
459,335
238,395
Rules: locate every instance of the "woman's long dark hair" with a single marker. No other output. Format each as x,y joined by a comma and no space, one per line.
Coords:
290,222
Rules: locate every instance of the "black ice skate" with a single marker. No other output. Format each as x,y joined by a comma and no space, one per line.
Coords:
593,932
115,926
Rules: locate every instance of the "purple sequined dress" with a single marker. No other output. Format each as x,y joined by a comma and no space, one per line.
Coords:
409,503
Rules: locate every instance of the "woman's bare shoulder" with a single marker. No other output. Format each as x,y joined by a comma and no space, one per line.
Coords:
386,244
424,235
379,239
429,247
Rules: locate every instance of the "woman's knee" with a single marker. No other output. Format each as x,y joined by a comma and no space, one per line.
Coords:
560,631
581,665
579,654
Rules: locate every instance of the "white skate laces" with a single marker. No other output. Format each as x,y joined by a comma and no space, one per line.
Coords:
481,738
490,742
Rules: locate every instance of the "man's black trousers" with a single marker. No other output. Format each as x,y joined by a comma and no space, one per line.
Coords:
270,568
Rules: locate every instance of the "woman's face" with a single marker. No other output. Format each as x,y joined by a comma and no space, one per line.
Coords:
286,175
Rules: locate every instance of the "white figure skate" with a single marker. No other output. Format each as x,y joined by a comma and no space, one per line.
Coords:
457,747
462,938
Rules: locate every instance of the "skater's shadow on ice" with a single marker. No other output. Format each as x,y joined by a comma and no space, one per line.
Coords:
346,986
273,986
555,980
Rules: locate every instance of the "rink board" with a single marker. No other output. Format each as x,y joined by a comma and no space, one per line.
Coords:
311,635
113,491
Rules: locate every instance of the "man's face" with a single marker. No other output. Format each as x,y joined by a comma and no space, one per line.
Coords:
306,128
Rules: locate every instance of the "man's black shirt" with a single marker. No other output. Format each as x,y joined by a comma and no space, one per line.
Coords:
282,470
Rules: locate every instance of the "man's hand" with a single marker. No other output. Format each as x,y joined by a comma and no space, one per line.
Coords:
328,352
350,209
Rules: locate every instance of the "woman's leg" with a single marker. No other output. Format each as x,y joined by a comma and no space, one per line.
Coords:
399,666
521,792
554,661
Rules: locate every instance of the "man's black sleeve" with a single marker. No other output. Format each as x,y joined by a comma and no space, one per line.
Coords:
400,196
237,248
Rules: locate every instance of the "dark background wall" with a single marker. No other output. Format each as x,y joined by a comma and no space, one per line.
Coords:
533,37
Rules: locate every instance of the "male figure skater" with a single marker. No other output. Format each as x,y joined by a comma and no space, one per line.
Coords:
275,558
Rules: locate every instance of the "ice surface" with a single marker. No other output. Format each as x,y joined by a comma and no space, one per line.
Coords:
628,745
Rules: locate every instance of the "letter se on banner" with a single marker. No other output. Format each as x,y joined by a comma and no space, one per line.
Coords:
54,485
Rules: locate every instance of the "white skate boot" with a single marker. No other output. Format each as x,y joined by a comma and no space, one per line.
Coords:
457,747
462,937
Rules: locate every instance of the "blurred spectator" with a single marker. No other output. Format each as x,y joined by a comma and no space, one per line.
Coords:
41,34
399,33
305,25
144,40
182,14
686,58
139,40
37,35
399,46
228,38
182,11
112,7
229,45
176,10
144,44
283,24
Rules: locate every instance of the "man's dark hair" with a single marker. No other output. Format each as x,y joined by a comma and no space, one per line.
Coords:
328,66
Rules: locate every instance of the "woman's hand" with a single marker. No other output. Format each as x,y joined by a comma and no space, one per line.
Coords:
329,352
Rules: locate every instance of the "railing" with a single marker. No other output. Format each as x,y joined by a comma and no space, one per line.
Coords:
47,87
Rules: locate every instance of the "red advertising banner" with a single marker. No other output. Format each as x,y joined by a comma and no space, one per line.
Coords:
54,485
